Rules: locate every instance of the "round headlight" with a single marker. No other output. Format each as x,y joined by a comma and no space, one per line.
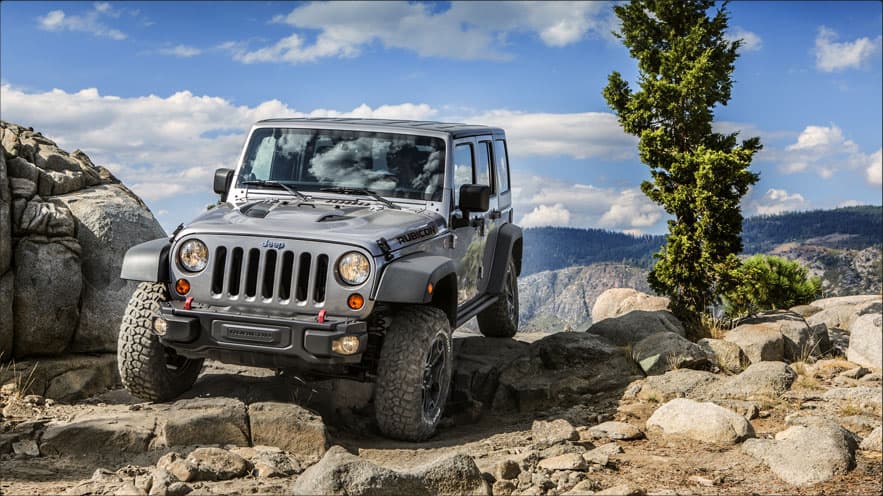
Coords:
193,255
353,268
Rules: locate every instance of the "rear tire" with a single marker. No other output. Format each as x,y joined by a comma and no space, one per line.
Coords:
500,320
414,373
148,369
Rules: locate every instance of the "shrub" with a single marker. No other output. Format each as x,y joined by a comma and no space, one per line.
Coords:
764,282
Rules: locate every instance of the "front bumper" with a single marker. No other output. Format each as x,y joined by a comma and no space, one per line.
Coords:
207,332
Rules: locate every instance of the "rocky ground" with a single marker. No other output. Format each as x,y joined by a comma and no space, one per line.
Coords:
628,407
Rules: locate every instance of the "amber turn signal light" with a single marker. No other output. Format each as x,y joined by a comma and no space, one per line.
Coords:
355,301
182,286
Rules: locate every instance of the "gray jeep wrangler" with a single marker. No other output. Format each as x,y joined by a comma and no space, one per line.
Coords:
340,248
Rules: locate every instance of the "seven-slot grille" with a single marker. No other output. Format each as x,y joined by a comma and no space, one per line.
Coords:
270,275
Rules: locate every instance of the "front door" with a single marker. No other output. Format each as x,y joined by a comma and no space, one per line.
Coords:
472,159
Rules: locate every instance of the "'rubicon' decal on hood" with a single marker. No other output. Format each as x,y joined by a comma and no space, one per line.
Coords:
417,234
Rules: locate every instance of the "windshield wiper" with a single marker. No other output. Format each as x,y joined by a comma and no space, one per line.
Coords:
277,184
362,191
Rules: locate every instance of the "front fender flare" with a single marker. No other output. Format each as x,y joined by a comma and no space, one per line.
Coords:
148,261
406,280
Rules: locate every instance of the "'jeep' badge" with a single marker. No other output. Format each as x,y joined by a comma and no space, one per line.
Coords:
269,243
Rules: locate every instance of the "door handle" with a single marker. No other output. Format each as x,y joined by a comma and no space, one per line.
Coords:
495,214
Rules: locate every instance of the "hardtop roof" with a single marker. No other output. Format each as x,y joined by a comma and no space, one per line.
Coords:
456,130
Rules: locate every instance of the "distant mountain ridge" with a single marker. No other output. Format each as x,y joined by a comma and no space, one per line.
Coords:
855,228
843,246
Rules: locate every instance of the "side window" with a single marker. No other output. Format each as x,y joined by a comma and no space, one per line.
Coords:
483,164
502,161
462,168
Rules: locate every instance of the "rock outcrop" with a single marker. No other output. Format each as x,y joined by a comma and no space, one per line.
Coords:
65,225
555,300
866,341
620,301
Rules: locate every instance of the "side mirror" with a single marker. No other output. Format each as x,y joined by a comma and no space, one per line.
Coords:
474,198
223,178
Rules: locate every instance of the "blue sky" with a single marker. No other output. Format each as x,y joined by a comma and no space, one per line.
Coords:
162,93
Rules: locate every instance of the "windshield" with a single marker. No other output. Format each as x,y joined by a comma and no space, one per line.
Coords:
395,165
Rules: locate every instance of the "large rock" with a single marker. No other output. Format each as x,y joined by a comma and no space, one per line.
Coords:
800,340
61,200
478,363
704,422
616,302
7,286
841,312
289,427
725,355
674,384
866,341
806,454
760,342
340,472
636,325
110,220
109,435
48,283
5,217
67,378
214,464
553,431
559,369
761,380
836,301
206,421
874,440
866,398
45,219
615,431
664,351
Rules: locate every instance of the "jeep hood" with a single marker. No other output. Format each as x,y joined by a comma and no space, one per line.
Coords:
361,224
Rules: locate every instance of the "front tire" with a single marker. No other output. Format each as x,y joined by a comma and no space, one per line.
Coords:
500,320
414,373
148,369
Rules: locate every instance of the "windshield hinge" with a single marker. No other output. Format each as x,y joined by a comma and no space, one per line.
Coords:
176,231
384,247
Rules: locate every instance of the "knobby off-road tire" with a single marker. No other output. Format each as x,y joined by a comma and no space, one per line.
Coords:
500,320
148,369
414,373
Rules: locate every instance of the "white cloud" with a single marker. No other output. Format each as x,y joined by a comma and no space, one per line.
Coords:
182,51
632,208
579,135
181,138
850,203
835,56
776,201
824,150
751,42
874,170
545,215
545,199
89,22
466,30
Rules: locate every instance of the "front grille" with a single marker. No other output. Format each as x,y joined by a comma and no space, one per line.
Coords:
269,275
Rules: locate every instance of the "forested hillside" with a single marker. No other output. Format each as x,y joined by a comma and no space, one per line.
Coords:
855,228
859,227
549,248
